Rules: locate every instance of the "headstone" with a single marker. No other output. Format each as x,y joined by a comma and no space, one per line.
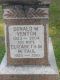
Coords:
27,38
27,43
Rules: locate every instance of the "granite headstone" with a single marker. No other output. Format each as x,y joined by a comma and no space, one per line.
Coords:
27,36
29,52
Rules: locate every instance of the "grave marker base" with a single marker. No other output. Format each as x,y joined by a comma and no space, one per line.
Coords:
31,72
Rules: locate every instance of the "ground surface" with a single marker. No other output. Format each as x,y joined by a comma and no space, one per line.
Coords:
55,28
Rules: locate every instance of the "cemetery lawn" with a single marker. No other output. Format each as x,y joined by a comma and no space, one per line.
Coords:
2,48
54,30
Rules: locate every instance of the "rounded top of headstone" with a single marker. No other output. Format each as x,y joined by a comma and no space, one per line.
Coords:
26,1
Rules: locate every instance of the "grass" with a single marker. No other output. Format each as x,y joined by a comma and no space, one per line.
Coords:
54,30
2,48
1,29
2,44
